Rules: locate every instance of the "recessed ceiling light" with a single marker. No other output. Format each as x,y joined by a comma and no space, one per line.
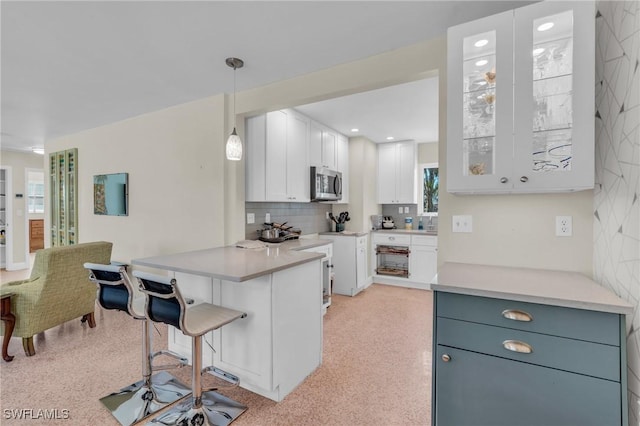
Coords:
390,138
355,130
481,62
481,43
546,26
37,150
538,51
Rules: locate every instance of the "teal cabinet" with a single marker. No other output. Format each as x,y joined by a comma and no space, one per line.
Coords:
505,362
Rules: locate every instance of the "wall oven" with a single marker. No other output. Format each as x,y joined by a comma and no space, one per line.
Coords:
326,184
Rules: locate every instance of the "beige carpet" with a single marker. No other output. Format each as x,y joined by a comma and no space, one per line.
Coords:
376,368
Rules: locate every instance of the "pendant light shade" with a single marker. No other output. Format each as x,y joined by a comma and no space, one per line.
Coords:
234,147
234,143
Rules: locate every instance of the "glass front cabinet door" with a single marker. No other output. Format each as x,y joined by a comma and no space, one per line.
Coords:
521,100
63,176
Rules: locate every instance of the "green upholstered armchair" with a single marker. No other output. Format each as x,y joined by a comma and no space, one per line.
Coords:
58,290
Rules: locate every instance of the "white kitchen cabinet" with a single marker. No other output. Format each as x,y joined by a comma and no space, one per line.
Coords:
520,101
322,146
277,157
264,349
397,173
423,261
349,263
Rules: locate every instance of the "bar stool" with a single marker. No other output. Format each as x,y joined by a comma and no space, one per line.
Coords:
138,401
165,304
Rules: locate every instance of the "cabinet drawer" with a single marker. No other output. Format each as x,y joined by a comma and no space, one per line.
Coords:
36,224
577,356
591,326
474,389
424,240
393,239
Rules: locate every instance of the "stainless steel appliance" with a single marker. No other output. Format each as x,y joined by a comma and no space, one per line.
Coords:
376,221
388,223
326,184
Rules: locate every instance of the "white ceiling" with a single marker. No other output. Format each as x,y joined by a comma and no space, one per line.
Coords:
70,66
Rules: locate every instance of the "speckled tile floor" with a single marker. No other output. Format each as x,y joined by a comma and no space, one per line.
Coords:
376,368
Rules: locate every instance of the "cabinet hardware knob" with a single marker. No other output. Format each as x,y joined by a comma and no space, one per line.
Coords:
446,358
517,346
524,179
504,180
516,315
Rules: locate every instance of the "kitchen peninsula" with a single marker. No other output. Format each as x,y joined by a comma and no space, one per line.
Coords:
279,343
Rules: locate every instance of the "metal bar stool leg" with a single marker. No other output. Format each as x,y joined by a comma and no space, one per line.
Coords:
155,391
166,304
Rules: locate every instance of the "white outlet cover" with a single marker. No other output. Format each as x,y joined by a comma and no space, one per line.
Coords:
462,223
564,226
251,218
400,209
267,218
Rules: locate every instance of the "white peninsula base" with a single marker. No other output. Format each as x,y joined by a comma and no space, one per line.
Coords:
278,344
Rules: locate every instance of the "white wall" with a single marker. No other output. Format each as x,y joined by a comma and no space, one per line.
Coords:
362,188
175,161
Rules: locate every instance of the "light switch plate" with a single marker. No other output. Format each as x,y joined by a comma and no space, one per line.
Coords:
462,223
251,218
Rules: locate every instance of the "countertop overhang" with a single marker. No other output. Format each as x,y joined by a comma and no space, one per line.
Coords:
237,264
559,288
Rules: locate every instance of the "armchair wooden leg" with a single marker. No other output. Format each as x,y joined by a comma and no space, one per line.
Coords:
27,344
90,318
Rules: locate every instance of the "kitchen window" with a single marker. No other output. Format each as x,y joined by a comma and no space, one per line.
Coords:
429,183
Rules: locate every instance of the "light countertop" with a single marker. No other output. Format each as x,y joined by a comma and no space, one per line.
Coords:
237,264
408,231
345,234
558,288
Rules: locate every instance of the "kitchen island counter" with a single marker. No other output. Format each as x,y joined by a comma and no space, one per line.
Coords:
237,264
279,287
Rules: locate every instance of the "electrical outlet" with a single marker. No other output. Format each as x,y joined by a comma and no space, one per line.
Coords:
327,215
406,209
400,209
564,226
267,218
251,218
462,223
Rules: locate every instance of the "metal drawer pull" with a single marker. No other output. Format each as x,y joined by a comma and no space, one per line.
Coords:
517,346
446,358
516,315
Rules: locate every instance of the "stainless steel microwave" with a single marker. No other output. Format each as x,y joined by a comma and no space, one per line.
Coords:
326,184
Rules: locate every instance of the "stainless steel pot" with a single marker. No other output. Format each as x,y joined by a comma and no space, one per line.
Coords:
270,234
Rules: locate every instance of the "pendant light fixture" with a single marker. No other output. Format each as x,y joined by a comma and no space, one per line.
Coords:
234,143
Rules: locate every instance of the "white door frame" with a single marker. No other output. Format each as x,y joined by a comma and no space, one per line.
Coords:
8,248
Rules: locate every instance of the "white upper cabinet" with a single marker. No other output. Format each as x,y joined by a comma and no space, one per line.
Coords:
322,146
277,164
521,100
397,173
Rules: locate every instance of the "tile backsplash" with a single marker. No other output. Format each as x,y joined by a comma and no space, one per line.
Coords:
398,218
311,218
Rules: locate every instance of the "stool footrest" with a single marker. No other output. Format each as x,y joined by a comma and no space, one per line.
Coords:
182,361
221,374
